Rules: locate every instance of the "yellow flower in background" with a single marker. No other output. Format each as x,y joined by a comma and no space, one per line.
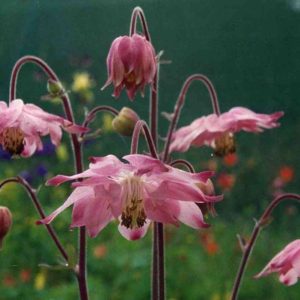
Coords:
107,122
62,152
216,296
40,280
81,82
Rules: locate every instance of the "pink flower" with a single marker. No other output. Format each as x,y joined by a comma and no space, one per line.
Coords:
135,193
286,263
22,125
131,63
217,131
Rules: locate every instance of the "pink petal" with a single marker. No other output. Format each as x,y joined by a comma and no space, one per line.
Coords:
94,213
289,278
162,210
191,215
134,234
79,194
146,163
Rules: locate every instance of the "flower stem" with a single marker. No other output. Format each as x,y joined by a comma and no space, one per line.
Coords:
92,114
183,162
138,12
141,124
247,249
32,194
158,277
180,102
76,146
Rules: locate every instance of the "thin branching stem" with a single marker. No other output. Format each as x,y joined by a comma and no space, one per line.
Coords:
76,146
248,247
35,200
180,102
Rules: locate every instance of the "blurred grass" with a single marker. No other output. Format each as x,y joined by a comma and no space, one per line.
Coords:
250,50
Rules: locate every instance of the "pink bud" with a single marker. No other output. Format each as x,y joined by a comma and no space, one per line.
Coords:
131,63
5,222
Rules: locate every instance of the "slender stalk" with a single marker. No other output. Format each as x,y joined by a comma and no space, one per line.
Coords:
138,12
92,114
141,124
183,162
81,272
158,280
180,102
247,249
32,194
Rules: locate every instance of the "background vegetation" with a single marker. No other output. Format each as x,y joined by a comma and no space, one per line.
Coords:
249,49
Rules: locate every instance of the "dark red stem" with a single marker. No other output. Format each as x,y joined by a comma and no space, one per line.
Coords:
139,126
92,114
247,249
183,162
32,194
81,274
138,12
158,272
180,102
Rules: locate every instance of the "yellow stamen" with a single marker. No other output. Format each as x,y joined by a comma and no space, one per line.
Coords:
133,214
225,144
12,140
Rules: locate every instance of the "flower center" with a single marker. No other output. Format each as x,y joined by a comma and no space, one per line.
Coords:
133,214
225,144
12,140
130,78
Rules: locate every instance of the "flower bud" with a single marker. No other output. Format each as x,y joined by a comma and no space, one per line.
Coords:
55,88
131,64
125,121
5,222
208,189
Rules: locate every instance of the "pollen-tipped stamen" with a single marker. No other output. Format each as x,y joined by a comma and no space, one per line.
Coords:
133,215
12,140
224,145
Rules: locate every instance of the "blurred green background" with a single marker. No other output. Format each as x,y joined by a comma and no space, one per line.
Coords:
251,52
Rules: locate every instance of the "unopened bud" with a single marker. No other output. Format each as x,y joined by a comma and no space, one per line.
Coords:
55,88
208,189
125,121
5,222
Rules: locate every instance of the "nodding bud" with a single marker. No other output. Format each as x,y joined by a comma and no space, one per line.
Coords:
55,88
208,189
5,222
125,121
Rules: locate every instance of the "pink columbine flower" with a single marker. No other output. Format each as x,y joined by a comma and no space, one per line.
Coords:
286,263
22,125
131,63
217,131
135,193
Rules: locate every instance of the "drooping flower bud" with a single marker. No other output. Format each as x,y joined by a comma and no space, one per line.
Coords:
131,63
125,121
208,189
55,88
5,222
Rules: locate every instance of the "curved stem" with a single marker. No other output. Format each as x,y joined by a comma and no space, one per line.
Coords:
181,100
138,12
81,274
158,280
92,114
32,194
183,162
141,124
257,228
